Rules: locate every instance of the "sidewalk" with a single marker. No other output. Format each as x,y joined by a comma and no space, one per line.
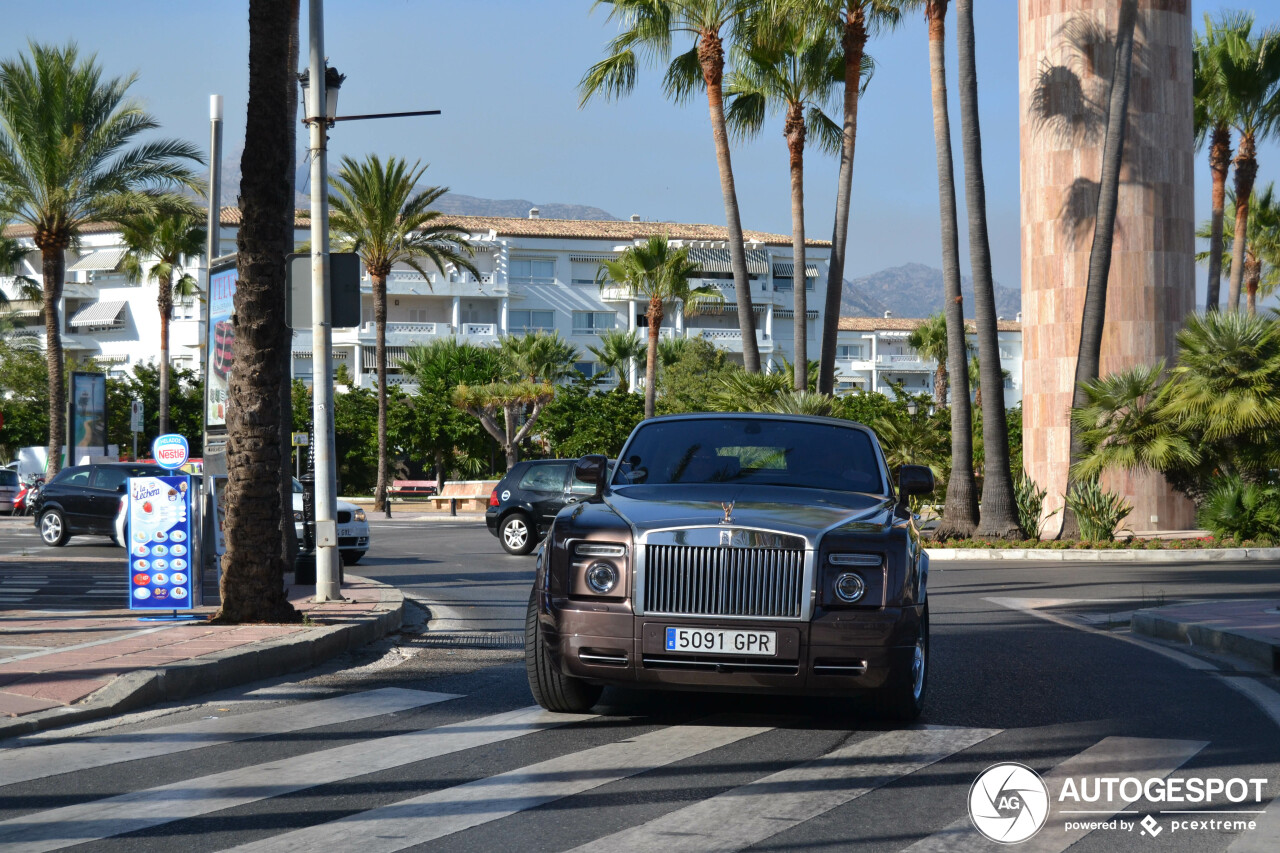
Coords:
1245,628
58,668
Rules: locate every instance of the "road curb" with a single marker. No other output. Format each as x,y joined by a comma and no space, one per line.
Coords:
219,670
1163,624
1108,555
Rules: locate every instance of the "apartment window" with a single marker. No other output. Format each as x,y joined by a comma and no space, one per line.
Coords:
592,370
851,351
417,315
593,322
523,320
532,271
366,313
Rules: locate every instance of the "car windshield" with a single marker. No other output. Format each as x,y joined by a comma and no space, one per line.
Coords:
762,451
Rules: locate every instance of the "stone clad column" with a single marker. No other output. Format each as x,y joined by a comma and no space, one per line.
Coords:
1064,67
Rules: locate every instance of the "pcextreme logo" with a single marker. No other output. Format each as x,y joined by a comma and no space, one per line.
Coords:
1008,803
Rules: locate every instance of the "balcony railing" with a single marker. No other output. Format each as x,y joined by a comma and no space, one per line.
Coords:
480,329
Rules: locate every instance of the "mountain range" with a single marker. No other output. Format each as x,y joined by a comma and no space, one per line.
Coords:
914,290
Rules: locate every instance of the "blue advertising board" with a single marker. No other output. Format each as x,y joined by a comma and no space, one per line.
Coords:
159,534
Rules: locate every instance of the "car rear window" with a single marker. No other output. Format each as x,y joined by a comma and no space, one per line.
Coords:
8,478
765,452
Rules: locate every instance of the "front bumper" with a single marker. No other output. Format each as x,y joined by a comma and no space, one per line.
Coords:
838,652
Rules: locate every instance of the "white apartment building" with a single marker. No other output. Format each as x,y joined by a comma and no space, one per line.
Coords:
535,274
872,355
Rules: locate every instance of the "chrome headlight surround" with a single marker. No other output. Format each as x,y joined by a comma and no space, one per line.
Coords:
849,587
601,578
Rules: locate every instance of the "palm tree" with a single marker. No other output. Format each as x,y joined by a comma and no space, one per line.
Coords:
653,270
647,30
539,357
379,212
1262,244
252,567
960,510
70,156
166,238
849,23
929,339
787,69
1249,73
999,509
1213,122
618,351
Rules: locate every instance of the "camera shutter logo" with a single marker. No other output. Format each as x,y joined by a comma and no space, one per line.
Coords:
1008,803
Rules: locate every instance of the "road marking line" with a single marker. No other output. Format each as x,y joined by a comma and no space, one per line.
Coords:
1141,758
440,813
24,763
92,821
748,814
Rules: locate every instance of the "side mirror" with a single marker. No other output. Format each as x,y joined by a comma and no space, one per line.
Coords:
914,480
592,469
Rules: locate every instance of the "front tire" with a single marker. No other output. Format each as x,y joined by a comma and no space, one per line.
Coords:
902,697
53,529
516,534
551,688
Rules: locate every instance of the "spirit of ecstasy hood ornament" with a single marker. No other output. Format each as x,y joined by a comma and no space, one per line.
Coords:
727,506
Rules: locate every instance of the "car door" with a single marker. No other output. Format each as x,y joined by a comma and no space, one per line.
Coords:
70,491
105,489
543,486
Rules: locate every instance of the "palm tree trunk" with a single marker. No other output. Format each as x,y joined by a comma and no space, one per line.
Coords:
711,57
1246,172
252,584
379,281
1095,296
795,134
854,42
1252,275
289,533
999,513
1219,163
960,512
54,268
651,362
164,301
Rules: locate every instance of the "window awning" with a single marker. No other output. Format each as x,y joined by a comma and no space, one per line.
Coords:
789,313
590,259
118,358
337,355
717,260
728,306
98,314
25,309
787,269
105,259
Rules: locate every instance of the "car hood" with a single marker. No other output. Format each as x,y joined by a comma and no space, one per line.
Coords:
804,512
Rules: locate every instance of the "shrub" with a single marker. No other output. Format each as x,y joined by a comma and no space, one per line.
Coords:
1239,510
1030,500
1098,511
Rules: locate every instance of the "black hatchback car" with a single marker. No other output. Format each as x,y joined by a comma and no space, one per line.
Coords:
527,499
85,498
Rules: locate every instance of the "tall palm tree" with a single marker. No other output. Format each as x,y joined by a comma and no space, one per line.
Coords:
1093,317
379,212
850,23
647,30
1213,123
653,270
166,239
253,566
930,340
1262,244
786,68
1249,68
617,351
70,156
960,511
999,510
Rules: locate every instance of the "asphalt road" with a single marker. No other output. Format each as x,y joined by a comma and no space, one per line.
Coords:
671,772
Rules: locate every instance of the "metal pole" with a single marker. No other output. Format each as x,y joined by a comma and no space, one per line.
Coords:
328,586
213,222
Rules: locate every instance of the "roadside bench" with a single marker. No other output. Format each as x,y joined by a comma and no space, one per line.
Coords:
412,488
464,495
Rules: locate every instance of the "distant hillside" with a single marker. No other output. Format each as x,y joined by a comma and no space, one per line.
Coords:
468,205
915,290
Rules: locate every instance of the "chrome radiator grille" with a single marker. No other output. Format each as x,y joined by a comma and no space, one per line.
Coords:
710,581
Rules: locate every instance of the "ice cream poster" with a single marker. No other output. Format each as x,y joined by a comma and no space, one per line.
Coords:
159,534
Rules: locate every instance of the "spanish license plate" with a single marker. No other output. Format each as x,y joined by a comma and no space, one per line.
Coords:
719,641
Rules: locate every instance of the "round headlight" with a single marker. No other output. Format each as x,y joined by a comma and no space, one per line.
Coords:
850,587
602,578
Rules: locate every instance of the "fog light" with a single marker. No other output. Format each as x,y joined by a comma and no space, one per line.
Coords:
602,578
849,587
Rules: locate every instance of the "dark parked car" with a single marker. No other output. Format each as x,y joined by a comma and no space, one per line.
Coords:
527,499
85,498
729,552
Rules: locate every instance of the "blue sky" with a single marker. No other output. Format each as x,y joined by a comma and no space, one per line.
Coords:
505,74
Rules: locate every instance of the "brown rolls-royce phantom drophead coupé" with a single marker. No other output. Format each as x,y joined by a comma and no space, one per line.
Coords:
736,552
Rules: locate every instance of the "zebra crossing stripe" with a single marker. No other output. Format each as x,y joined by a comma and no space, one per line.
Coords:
1142,758
750,813
22,764
1266,837
440,813
62,827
